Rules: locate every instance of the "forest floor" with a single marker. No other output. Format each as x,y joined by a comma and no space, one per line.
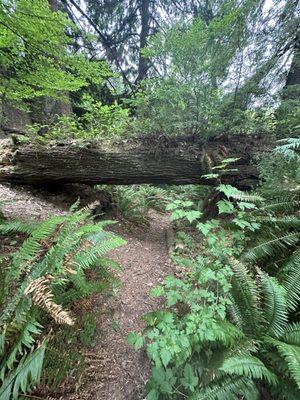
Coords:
114,371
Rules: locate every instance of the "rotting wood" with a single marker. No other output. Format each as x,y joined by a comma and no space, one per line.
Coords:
156,160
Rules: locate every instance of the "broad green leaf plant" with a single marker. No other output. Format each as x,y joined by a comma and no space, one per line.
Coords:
228,330
35,53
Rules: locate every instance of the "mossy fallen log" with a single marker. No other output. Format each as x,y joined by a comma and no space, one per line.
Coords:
156,160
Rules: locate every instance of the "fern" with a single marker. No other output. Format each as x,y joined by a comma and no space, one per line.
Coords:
25,339
275,305
249,366
42,296
291,334
291,355
272,246
16,227
87,258
228,389
25,376
56,250
291,282
32,248
288,148
245,300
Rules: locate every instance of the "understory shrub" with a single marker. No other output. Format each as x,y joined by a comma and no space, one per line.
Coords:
230,328
97,121
134,202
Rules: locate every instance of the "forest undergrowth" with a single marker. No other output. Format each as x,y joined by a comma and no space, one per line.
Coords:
150,291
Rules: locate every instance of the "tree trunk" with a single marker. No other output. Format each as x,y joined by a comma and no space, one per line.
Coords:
151,160
293,76
145,29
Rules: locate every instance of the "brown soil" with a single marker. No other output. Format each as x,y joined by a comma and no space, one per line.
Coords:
114,370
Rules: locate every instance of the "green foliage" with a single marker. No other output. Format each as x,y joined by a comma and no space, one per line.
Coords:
97,121
51,262
104,120
181,209
35,59
25,375
276,243
285,155
229,329
288,113
134,202
215,74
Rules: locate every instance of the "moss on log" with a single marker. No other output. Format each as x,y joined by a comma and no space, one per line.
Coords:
142,160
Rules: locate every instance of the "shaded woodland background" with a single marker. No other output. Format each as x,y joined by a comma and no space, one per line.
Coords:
177,121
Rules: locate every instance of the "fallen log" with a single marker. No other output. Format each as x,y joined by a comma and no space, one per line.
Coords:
156,160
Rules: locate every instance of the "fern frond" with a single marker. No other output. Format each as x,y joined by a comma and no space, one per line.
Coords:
94,228
288,147
32,247
17,227
25,376
291,334
291,354
44,264
280,206
289,265
25,339
43,297
291,283
275,306
228,389
251,198
245,299
280,222
249,366
89,256
271,246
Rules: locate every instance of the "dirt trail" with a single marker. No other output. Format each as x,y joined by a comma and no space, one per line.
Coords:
114,370
119,372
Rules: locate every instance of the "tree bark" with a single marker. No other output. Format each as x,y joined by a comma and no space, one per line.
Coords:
145,29
293,76
154,160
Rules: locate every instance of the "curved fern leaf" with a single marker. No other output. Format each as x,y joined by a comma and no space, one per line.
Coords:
26,375
17,227
275,307
291,334
245,299
291,355
291,284
228,389
249,366
271,246
25,340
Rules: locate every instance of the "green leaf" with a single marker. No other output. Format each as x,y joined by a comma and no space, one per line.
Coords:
291,334
230,160
165,357
157,291
135,340
190,380
153,395
250,366
228,190
158,374
177,214
225,207
291,354
210,176
191,216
